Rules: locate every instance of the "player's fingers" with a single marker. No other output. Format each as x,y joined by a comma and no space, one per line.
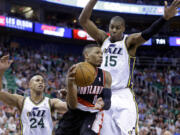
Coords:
177,2
97,107
72,74
100,99
165,4
72,68
174,2
10,62
71,78
5,57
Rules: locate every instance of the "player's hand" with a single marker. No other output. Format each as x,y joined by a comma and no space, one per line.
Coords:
5,63
71,75
99,104
62,93
172,10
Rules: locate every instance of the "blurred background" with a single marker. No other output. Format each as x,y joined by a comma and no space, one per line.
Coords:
45,36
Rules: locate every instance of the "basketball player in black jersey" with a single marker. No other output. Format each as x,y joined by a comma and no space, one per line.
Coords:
81,119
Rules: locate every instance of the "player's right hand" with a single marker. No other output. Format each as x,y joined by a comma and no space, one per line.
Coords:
5,63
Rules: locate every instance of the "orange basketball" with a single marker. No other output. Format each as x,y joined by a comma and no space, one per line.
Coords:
85,74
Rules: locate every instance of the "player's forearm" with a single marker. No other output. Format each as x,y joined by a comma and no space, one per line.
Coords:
87,11
72,96
154,28
8,98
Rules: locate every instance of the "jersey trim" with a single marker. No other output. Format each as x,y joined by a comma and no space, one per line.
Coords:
104,77
38,102
22,106
127,48
84,102
21,127
137,119
131,62
50,106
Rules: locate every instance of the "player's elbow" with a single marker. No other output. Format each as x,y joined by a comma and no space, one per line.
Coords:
82,20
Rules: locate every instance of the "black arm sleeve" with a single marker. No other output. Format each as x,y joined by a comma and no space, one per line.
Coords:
153,29
106,98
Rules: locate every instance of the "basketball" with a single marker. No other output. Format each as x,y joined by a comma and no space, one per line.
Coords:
85,74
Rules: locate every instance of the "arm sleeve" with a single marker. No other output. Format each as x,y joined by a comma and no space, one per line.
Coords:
106,98
153,29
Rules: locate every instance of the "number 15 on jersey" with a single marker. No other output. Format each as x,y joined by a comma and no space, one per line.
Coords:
110,61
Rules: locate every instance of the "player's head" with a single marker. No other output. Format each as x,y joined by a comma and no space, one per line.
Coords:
116,28
93,54
37,83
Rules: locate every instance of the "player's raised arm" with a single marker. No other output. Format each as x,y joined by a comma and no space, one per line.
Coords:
88,25
7,98
136,39
71,97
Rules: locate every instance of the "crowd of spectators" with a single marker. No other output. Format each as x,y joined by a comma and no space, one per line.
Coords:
167,80
156,117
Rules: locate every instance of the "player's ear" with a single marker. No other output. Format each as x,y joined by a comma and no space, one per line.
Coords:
86,55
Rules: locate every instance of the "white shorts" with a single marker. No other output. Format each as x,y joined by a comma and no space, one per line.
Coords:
122,117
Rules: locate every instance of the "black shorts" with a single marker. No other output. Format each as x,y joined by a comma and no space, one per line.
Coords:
76,122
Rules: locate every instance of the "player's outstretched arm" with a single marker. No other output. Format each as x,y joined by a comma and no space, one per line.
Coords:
7,98
71,97
88,25
58,105
136,39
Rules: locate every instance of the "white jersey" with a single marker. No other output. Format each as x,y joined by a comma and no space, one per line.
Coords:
117,61
36,118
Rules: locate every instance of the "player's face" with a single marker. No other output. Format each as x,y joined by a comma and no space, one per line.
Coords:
95,56
116,29
37,83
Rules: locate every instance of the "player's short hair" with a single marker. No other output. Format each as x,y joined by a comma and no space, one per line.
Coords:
34,74
118,18
88,47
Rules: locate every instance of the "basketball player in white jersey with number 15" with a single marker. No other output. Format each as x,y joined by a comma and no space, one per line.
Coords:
119,58
36,109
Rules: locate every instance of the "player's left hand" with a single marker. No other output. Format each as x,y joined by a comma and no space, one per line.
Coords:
99,104
172,10
5,63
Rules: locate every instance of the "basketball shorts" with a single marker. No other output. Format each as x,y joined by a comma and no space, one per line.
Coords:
122,117
77,122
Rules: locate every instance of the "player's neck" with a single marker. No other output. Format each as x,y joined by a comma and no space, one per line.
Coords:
36,97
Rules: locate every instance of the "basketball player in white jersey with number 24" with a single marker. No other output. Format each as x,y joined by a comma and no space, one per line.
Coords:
119,58
36,109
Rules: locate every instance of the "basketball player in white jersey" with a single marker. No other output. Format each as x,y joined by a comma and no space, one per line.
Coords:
119,58
36,109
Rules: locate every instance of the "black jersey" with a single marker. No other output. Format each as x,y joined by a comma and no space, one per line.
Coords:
87,96
80,121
